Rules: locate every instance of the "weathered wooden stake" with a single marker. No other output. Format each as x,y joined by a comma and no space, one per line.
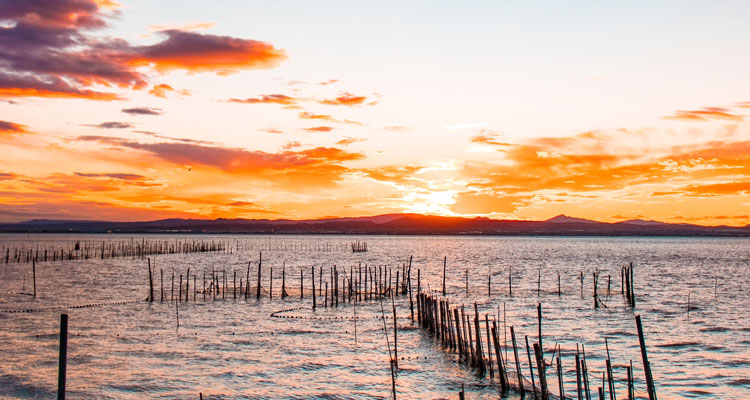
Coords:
445,266
63,359
646,365
315,303
33,273
260,263
531,366
541,371
518,361
150,283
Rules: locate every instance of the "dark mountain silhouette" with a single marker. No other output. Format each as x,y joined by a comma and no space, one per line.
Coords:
390,224
564,219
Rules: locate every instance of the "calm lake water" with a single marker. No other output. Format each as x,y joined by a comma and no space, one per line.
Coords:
234,348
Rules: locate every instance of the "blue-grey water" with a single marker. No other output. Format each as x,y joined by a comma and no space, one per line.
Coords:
121,347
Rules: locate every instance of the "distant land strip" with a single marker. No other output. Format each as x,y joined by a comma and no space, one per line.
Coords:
388,224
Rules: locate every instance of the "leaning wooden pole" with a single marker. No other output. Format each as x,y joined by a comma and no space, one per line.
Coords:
541,372
646,365
150,283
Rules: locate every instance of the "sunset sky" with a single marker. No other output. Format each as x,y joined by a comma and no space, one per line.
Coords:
141,110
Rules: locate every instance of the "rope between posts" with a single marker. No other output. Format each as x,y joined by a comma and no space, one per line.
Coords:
31,310
276,314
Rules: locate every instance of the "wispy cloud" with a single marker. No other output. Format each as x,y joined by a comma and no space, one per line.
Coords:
705,114
268,99
13,128
142,111
350,140
112,125
319,129
325,117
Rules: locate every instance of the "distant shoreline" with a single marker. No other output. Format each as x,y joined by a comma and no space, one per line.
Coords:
389,224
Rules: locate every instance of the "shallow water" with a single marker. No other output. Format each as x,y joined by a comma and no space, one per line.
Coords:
235,348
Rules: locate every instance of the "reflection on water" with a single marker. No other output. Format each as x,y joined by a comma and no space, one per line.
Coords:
234,348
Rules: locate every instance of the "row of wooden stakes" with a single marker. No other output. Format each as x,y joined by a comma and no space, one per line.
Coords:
458,333
108,250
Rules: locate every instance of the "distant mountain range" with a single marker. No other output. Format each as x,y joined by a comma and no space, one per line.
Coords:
388,224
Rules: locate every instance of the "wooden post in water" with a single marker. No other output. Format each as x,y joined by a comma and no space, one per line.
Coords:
247,281
33,274
283,281
531,366
395,337
461,350
150,283
585,372
518,361
161,273
411,298
510,283
560,378
631,388
63,359
499,358
445,266
315,303
479,354
578,374
539,282
489,347
646,365
632,287
541,371
260,263
539,316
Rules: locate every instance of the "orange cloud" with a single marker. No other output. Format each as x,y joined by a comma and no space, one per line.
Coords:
718,189
345,99
324,117
161,90
291,145
268,99
706,114
194,52
233,160
12,128
488,139
350,140
319,129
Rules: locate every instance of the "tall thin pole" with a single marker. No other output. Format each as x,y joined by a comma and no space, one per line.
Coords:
63,356
646,364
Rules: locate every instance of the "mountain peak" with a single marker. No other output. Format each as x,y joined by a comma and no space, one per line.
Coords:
564,219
